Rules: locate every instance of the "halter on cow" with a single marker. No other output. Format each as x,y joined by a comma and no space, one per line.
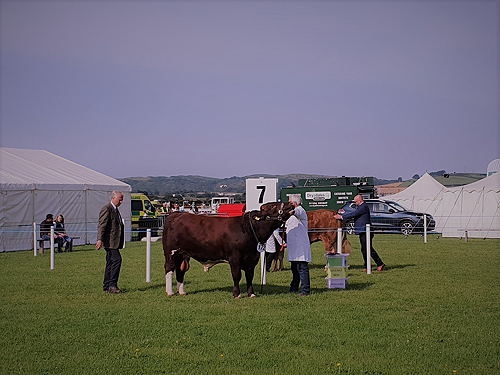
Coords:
218,239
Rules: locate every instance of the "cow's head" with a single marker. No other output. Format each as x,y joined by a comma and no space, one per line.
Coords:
278,211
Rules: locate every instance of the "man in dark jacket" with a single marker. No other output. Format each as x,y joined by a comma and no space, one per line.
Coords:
110,234
45,232
361,216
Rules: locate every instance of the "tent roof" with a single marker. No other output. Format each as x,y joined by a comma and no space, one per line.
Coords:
425,187
493,166
22,169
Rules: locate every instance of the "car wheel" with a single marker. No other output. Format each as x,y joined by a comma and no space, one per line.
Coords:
406,227
350,227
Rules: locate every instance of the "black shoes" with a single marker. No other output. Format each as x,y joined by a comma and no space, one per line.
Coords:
113,290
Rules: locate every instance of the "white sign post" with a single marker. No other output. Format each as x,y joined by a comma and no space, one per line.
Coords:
259,191
368,250
339,240
34,239
52,257
148,255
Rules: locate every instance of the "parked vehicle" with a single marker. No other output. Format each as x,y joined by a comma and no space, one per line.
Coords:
231,209
391,216
144,216
160,209
216,201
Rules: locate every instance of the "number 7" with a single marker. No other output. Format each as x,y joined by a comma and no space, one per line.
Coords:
261,196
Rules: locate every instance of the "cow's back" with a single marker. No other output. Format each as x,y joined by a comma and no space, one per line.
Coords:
320,219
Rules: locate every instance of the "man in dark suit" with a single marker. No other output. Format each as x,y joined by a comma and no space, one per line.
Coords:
110,234
361,216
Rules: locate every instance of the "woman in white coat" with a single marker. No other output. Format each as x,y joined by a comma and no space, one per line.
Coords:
299,249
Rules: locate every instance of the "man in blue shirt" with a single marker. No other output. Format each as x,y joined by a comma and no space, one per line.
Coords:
361,216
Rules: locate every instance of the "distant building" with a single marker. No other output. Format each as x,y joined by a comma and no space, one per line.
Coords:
493,167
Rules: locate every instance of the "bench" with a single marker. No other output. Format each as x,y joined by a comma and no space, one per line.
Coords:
41,243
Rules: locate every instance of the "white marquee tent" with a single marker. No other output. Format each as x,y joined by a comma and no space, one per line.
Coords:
474,208
34,183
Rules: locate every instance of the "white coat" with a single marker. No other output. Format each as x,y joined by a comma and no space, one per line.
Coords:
297,239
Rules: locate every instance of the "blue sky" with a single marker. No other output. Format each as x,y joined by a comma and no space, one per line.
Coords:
224,88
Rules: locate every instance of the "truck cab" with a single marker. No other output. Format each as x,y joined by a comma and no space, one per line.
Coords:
160,209
143,216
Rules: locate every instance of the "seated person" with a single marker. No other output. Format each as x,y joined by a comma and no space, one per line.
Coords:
45,231
60,233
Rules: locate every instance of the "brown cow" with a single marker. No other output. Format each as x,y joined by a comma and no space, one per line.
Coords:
323,227
210,239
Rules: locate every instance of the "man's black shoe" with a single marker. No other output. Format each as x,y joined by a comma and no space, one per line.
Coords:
114,290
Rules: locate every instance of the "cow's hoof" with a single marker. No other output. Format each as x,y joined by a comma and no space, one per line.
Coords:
169,295
183,294
237,297
252,295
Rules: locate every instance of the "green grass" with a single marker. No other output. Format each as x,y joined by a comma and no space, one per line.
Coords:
435,311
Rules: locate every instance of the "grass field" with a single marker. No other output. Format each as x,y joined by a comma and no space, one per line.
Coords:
435,311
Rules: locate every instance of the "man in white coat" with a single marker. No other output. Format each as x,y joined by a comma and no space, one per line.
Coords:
299,249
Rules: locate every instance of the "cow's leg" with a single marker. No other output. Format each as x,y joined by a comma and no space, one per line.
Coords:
249,272
169,271
168,283
179,275
236,272
280,260
275,266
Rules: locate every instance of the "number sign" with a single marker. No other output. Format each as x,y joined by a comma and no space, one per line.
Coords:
259,191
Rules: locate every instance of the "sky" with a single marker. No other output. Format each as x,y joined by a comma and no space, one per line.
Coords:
233,88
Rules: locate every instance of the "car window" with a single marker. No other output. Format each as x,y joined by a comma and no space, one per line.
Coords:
397,207
386,207
136,205
149,206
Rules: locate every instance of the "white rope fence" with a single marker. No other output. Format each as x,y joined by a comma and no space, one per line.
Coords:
339,232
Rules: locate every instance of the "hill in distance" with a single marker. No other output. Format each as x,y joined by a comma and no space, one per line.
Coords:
162,185
451,179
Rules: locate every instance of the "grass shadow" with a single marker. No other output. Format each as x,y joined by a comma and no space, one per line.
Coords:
388,268
271,289
148,287
360,286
